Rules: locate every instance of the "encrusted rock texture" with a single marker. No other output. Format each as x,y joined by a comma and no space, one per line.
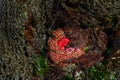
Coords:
22,34
26,24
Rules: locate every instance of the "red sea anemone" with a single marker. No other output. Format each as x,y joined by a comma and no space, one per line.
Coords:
62,43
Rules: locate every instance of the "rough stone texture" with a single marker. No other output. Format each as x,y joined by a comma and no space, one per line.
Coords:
15,61
15,52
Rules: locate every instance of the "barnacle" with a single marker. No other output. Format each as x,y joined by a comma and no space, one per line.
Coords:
63,53
58,55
